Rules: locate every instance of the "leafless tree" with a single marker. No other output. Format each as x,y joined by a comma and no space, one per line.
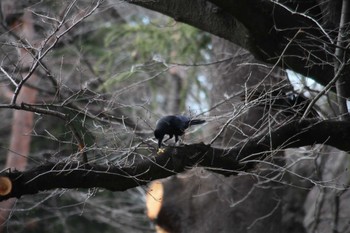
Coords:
269,157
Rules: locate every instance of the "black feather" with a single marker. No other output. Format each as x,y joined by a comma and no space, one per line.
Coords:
173,125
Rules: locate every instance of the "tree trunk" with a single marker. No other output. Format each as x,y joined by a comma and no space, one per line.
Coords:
22,122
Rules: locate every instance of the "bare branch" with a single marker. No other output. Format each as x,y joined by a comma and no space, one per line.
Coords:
177,159
308,17
8,76
55,36
324,90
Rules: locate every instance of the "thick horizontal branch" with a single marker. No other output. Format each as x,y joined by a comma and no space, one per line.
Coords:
174,160
114,177
201,14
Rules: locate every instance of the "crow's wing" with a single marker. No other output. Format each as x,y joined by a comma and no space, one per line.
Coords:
182,122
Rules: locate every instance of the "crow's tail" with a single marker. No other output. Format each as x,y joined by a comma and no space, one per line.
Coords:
196,122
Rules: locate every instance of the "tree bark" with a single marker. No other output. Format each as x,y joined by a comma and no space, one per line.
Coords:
341,57
176,160
265,28
22,122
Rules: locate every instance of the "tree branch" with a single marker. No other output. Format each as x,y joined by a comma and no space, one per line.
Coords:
174,160
340,58
263,28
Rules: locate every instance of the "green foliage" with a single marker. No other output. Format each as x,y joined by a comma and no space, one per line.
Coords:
135,51
175,41
136,42
115,79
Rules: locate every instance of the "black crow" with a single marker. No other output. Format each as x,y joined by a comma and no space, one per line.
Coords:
173,125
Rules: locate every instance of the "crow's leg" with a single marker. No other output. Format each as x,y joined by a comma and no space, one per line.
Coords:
176,138
160,142
170,137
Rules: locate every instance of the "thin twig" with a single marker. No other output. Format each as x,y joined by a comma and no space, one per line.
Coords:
306,16
8,76
55,36
323,91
